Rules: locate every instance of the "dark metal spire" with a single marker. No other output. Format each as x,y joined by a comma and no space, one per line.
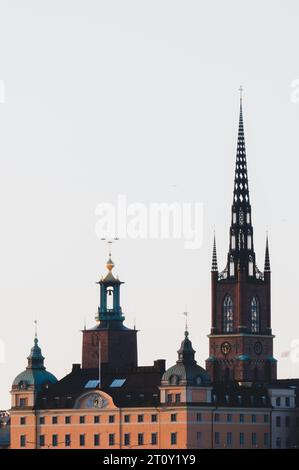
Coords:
214,256
241,252
267,267
241,191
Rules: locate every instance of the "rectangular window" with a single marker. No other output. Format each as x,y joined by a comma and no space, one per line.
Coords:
241,438
54,419
241,418
177,397
22,420
287,421
253,418
253,438
154,439
278,442
278,421
169,398
229,438
154,418
111,419
67,440
96,440
96,419
140,439
127,418
127,439
42,420
198,437
266,439
198,416
67,420
173,417
82,419
140,419
82,439
288,403
111,439
229,418
54,440
173,438
23,402
42,440
266,418
217,438
23,440
217,417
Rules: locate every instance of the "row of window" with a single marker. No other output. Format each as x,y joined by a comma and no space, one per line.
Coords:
229,418
96,419
228,315
154,419
287,421
228,439
279,402
96,440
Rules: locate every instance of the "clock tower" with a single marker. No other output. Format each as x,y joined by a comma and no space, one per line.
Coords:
241,340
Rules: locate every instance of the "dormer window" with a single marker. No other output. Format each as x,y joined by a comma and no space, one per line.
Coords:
174,380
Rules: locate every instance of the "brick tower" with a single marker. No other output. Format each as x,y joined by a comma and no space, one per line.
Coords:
241,340
118,344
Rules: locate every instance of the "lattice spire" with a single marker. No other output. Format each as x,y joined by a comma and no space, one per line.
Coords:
267,267
214,256
241,190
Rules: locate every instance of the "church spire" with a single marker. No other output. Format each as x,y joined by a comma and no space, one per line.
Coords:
241,190
241,253
267,268
214,256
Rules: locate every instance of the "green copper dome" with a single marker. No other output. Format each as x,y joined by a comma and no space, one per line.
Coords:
35,373
186,371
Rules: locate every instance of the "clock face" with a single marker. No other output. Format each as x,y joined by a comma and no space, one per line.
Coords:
94,401
258,348
225,348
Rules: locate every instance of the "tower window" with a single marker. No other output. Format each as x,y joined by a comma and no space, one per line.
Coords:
231,266
255,316
234,217
249,244
228,315
250,266
233,242
110,295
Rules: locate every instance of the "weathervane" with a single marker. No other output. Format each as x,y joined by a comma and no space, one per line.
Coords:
186,324
109,241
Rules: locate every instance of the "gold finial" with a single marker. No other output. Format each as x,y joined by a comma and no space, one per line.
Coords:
109,264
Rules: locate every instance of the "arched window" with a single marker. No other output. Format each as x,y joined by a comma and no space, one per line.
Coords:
255,316
110,297
228,314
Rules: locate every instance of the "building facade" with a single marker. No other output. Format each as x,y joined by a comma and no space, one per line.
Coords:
109,401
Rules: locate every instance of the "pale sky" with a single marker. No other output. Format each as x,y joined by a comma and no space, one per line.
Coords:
140,98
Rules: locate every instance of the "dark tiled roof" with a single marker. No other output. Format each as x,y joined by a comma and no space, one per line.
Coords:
235,395
139,389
